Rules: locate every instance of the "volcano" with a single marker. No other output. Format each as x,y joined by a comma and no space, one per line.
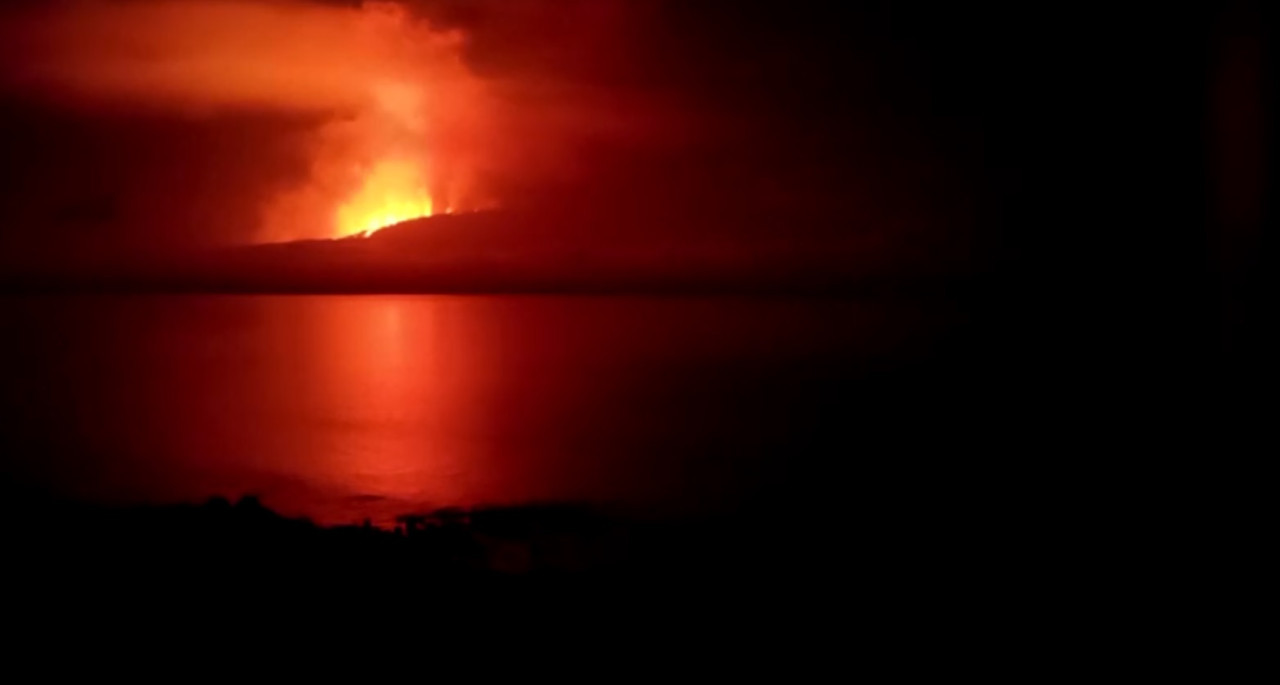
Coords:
528,251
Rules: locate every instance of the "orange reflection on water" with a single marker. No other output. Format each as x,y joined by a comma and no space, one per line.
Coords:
393,385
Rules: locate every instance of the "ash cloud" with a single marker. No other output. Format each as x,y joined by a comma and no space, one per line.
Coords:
488,95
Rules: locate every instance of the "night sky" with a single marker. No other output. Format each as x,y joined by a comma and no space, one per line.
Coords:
1039,132
1012,252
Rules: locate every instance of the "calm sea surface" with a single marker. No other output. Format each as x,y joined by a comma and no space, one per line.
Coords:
346,407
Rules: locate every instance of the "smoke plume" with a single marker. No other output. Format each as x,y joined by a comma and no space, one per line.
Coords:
410,107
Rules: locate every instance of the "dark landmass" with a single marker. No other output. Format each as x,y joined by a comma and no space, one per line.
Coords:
512,252
222,536
953,569
153,549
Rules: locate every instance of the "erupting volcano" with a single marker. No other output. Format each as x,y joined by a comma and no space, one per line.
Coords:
394,191
401,149
381,116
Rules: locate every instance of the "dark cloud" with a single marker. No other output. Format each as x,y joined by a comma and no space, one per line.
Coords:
652,105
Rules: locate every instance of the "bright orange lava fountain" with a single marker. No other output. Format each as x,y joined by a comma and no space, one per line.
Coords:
394,190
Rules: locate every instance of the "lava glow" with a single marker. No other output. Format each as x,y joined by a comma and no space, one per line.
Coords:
380,111
394,191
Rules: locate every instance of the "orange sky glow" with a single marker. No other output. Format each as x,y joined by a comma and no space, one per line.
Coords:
403,118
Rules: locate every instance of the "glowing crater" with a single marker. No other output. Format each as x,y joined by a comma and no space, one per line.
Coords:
393,191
